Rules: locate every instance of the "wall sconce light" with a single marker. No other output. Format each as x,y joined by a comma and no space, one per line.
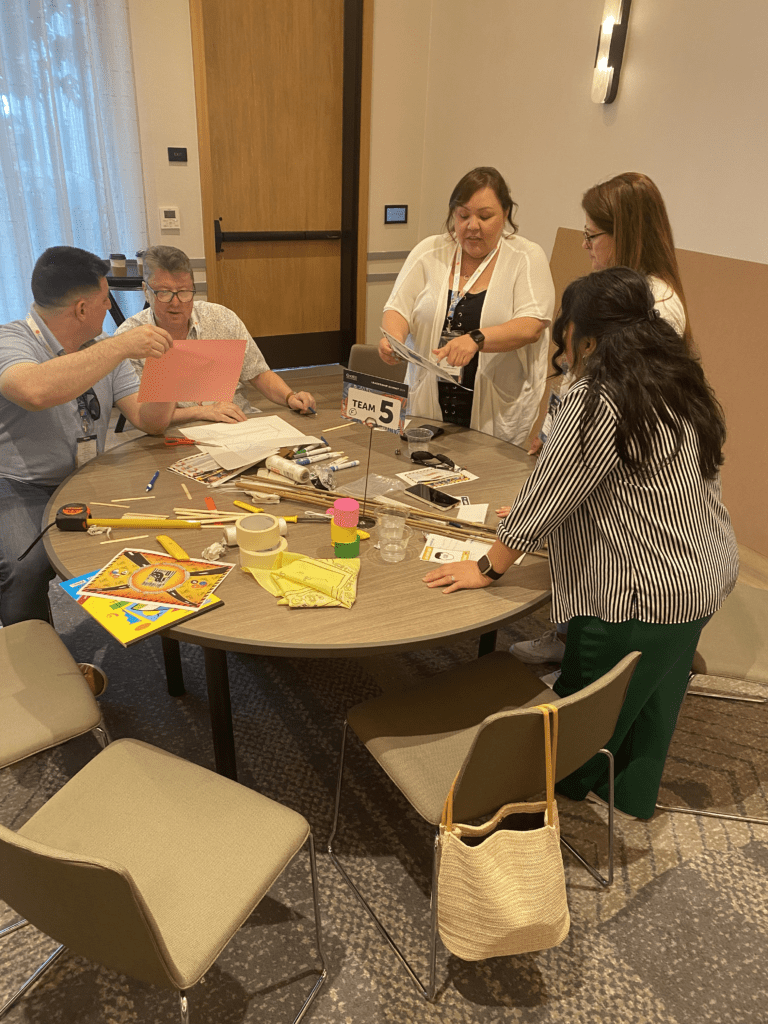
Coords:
610,50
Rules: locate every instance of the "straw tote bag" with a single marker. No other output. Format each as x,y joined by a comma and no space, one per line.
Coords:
501,885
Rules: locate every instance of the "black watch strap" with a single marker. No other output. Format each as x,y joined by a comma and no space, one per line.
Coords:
479,339
486,569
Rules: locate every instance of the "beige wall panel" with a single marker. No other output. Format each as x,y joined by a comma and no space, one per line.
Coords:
268,294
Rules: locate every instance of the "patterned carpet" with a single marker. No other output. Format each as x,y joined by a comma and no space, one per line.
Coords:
679,939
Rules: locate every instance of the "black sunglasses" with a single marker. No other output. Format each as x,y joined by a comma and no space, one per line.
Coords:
428,459
88,402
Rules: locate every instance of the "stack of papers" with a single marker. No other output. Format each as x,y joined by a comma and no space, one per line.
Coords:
239,445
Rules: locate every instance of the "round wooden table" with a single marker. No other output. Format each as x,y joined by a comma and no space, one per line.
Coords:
394,610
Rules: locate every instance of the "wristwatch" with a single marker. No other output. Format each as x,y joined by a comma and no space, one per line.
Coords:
486,569
479,339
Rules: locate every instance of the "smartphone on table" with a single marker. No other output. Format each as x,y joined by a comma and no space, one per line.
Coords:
432,496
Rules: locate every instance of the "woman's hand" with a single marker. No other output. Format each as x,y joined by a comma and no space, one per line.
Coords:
504,511
386,354
458,351
535,447
457,576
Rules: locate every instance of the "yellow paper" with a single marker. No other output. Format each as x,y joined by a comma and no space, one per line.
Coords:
302,582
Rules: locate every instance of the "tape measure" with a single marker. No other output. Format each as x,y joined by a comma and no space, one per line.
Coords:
74,516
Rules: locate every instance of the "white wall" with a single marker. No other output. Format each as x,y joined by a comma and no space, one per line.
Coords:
165,94
508,84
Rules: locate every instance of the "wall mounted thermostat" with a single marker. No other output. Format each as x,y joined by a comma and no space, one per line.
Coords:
395,214
169,218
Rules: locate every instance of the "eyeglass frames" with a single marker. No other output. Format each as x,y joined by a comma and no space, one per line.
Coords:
163,295
588,238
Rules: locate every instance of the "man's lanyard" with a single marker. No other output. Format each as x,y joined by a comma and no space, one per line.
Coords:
456,295
85,420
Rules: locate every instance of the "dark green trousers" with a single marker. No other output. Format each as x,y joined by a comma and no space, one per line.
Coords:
649,714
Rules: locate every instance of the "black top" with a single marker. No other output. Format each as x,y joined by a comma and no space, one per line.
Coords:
455,403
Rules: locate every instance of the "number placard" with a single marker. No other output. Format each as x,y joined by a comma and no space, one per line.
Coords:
375,401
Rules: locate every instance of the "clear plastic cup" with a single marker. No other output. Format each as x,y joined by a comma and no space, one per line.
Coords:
418,439
391,523
392,549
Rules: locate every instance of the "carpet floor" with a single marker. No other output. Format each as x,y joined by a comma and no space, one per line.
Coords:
679,939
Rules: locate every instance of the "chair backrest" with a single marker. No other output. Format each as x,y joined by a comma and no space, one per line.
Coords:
734,643
90,906
365,358
506,761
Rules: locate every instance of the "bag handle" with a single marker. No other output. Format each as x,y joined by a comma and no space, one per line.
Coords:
549,711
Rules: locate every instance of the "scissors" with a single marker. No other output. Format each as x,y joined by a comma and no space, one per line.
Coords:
176,442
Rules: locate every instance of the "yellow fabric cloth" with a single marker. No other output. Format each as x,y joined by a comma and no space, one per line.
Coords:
302,582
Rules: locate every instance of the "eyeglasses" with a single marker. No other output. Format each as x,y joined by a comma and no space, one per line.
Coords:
167,296
588,238
88,402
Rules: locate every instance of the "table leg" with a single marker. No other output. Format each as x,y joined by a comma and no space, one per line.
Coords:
217,681
487,643
173,673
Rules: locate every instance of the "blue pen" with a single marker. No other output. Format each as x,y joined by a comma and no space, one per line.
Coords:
346,465
151,483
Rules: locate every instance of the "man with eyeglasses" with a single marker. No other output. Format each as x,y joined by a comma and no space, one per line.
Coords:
169,286
56,395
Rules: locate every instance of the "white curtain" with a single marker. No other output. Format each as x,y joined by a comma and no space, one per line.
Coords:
69,144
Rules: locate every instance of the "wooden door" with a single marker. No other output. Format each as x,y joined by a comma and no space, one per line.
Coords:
279,87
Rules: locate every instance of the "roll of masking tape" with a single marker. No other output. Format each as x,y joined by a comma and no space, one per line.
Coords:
299,474
257,532
262,559
230,536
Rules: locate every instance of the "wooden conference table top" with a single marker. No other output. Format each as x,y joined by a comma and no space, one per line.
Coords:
394,609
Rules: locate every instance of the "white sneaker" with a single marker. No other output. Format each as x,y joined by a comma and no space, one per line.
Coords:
543,648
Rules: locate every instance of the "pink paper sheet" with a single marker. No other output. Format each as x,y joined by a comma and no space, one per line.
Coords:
194,370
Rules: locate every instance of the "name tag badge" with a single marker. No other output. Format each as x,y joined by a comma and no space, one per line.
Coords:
86,449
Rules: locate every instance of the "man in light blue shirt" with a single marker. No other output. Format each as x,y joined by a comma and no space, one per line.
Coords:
56,395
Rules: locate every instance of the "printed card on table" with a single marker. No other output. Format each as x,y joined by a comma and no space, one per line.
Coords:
153,576
375,401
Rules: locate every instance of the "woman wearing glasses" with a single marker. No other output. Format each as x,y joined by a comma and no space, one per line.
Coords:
625,224
626,494
169,287
477,298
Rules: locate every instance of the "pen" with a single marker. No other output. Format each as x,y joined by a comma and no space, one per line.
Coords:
151,483
317,458
312,444
306,453
345,465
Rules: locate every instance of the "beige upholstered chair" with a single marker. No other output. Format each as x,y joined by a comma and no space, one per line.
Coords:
477,718
148,865
365,358
44,699
733,645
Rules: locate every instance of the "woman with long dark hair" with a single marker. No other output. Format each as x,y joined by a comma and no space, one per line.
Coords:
626,493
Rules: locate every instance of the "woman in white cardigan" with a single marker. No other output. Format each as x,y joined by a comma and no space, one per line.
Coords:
478,297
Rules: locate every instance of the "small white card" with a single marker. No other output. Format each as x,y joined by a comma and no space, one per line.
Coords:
472,513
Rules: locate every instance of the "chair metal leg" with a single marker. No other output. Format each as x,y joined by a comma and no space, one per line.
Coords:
21,923
101,734
427,993
735,698
318,934
184,1006
605,882
712,814
433,923
32,979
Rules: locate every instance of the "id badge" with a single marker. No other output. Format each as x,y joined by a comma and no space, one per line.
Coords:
456,372
86,449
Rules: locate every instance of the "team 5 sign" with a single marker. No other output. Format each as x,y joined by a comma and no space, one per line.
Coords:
375,401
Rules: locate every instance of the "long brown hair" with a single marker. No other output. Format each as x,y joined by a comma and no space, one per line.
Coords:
630,208
473,181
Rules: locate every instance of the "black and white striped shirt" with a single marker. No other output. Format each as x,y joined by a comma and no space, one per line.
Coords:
658,547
